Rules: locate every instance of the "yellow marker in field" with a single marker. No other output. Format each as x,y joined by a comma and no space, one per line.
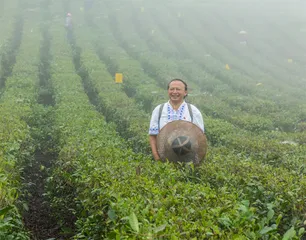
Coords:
258,84
227,67
142,9
118,78
290,60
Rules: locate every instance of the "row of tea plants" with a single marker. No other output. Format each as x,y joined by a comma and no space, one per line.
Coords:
16,103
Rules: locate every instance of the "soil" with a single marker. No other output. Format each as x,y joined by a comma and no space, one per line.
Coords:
39,219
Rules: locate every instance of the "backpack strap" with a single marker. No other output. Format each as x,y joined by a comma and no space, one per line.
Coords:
190,111
159,114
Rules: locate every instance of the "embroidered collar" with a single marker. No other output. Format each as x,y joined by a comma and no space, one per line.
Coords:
181,106
175,115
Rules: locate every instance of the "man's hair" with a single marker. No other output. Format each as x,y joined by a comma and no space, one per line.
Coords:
180,80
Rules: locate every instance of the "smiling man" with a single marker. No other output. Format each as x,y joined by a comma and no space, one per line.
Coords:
175,109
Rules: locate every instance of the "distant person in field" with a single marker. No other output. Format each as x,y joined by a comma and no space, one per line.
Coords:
175,109
68,26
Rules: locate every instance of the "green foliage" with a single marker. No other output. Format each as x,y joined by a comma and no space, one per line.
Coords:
233,196
16,142
252,184
11,225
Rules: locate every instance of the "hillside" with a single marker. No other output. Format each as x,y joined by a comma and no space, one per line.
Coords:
75,161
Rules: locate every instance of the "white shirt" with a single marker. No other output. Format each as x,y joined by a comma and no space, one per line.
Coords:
169,114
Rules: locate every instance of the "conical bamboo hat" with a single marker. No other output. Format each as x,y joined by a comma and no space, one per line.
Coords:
182,141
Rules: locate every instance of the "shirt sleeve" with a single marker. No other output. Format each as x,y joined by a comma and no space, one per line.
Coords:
153,130
197,118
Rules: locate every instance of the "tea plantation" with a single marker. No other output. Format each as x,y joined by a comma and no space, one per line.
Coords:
75,160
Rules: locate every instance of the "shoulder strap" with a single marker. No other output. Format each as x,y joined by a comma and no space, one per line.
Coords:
190,111
159,114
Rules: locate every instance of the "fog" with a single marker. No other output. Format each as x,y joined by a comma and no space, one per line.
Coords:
260,40
252,50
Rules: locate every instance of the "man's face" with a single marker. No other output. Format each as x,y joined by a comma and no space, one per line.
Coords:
176,91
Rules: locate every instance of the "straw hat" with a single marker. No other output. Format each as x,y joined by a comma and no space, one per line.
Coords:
182,141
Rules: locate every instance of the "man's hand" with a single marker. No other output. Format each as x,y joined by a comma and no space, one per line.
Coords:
156,157
154,147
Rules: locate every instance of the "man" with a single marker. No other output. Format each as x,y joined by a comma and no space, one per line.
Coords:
175,109
68,26
68,21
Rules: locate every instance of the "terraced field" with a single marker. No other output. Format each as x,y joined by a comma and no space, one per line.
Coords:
75,160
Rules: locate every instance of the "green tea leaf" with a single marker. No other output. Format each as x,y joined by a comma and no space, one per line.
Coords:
270,214
134,222
266,230
289,234
25,207
160,228
301,231
173,237
111,214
